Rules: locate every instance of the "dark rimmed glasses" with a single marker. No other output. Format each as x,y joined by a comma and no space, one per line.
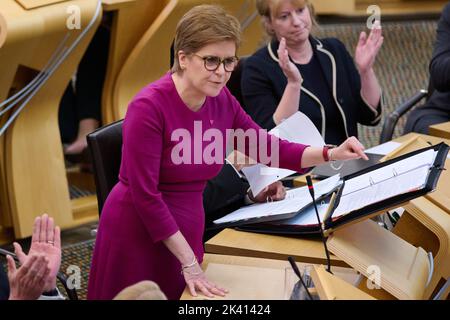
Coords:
212,63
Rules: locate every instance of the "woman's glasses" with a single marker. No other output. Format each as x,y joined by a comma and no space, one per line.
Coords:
212,63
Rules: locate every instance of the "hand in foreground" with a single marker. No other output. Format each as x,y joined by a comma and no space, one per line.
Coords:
368,47
349,149
273,192
27,282
196,281
290,70
46,241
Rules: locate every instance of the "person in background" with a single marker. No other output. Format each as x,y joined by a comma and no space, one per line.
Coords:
152,223
80,107
299,72
36,276
437,108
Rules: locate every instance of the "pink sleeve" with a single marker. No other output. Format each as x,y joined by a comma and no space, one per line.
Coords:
289,154
142,149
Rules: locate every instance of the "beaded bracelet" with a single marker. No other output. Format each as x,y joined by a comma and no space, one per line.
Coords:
193,263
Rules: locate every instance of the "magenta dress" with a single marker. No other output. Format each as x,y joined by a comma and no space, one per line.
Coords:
156,197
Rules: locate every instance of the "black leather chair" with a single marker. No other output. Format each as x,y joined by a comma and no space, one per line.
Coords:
105,145
234,84
390,121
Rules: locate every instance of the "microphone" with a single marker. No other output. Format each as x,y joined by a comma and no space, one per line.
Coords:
299,275
311,192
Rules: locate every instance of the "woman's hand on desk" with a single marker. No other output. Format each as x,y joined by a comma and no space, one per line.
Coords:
348,150
196,281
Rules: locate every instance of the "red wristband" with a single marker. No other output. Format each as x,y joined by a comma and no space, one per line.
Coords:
325,153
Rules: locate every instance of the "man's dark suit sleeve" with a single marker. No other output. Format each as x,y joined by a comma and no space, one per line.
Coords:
440,62
225,190
4,284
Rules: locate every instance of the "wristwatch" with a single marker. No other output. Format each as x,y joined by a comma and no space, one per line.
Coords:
325,151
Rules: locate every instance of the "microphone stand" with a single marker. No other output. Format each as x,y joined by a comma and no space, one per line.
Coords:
311,192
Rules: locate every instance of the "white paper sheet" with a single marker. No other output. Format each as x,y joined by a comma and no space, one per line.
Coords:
396,185
308,217
295,200
299,129
385,148
425,158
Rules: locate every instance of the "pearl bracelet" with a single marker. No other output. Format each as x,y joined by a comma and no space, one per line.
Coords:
193,263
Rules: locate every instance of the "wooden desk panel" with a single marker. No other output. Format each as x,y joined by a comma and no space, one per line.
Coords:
239,243
441,130
346,274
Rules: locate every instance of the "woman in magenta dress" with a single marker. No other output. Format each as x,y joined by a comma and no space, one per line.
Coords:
152,223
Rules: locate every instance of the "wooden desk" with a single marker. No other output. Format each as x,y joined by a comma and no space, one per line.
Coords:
440,197
441,130
346,274
239,243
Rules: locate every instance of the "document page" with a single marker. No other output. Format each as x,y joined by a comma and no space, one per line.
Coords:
385,148
299,129
296,199
412,180
424,159
308,217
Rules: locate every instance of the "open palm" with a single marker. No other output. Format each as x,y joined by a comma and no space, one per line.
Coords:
46,240
368,47
289,69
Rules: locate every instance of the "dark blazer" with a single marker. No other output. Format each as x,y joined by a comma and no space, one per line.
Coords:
222,195
440,62
437,108
263,84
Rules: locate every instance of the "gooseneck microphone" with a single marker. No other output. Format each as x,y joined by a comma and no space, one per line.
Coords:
311,192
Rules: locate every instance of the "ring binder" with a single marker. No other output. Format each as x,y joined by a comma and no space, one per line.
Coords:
411,171
394,173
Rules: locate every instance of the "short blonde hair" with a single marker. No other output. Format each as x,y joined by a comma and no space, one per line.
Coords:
203,25
265,8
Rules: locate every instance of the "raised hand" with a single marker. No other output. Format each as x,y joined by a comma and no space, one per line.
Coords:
28,282
46,241
368,47
290,70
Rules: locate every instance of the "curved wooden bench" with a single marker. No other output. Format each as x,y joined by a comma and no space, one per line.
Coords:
149,60
32,170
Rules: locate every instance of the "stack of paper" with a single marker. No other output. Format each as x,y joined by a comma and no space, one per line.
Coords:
296,200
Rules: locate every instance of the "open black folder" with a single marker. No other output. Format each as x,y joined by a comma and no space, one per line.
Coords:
363,194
